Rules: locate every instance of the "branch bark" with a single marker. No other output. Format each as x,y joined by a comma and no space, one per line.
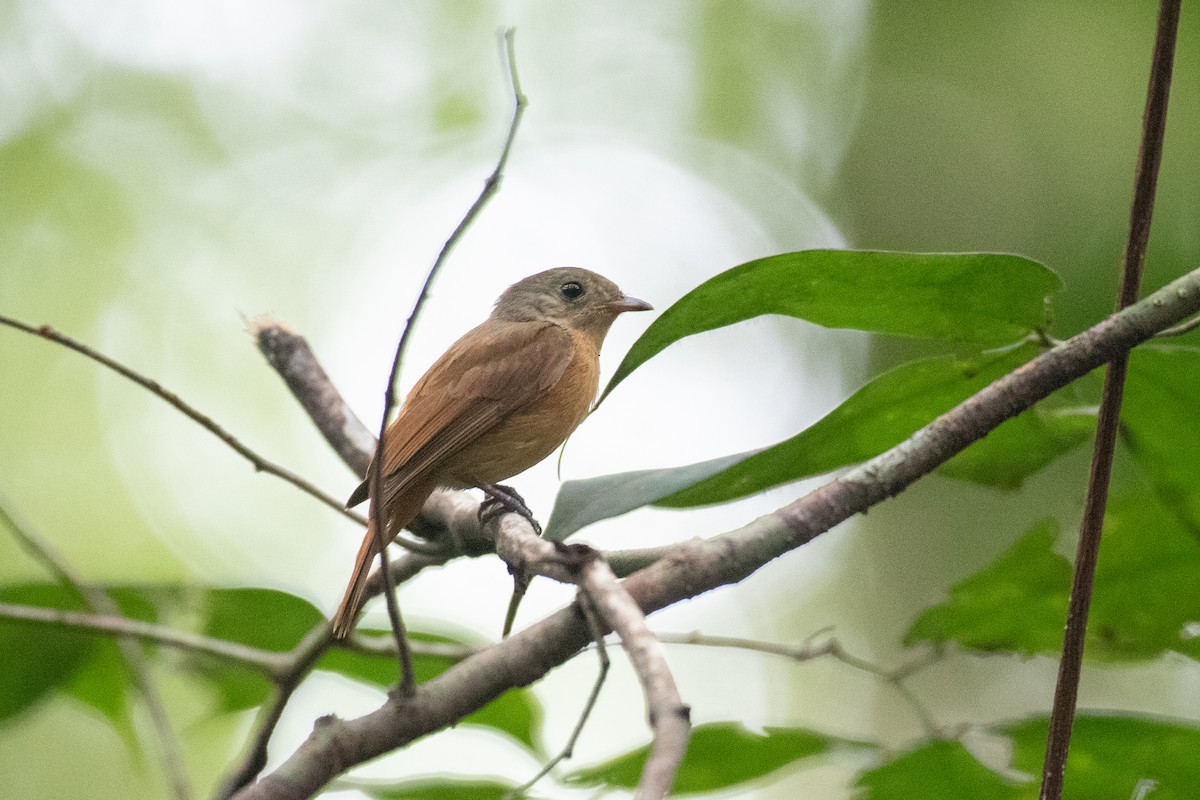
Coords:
696,567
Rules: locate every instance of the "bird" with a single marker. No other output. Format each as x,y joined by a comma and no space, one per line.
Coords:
501,399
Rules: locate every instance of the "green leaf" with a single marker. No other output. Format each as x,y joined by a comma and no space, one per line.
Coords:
263,618
516,713
937,770
1111,754
37,658
987,299
1162,427
438,790
582,502
104,682
879,415
1147,585
1016,604
720,755
1022,446
1146,592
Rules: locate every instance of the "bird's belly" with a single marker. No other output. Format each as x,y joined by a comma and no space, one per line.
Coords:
531,433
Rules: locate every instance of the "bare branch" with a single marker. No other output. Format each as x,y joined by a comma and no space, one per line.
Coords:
695,567
154,387
289,354
270,663
830,647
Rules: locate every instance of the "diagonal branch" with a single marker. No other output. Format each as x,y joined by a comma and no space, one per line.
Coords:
203,420
265,661
696,567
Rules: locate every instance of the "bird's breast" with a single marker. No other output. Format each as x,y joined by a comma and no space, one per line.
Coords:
533,431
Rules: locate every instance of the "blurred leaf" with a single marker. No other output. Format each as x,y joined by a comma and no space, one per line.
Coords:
986,299
719,756
38,658
1016,604
439,790
1022,446
1162,427
264,618
516,712
938,770
1146,592
879,415
1110,755
104,682
1147,583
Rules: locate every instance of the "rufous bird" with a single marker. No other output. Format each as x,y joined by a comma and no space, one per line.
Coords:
501,399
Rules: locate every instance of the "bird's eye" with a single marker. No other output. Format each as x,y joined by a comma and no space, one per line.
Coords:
572,290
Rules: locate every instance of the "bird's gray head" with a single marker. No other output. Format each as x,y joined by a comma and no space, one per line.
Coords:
569,296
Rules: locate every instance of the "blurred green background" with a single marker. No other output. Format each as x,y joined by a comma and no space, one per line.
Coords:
166,168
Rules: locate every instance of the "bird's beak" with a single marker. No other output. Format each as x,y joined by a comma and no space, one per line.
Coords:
628,303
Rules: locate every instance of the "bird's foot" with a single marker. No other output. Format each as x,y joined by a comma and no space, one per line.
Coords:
503,499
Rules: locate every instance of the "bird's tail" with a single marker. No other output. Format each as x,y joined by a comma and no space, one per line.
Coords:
401,509
347,613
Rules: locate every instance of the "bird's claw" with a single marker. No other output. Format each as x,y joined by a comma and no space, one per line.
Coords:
503,500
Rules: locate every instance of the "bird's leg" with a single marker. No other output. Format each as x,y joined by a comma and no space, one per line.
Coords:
501,499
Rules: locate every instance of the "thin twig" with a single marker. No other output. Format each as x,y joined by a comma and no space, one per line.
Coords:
303,657
490,187
1154,123
1181,328
154,387
831,648
591,616
98,600
266,661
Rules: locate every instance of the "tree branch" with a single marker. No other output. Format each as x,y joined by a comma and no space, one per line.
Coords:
270,663
154,387
696,567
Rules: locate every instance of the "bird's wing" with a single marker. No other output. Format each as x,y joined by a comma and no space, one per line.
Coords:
484,377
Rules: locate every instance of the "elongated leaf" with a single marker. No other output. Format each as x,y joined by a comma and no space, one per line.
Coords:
439,790
1162,426
1113,755
879,415
719,756
987,299
937,770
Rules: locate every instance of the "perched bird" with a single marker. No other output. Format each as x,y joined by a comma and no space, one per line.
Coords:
501,399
